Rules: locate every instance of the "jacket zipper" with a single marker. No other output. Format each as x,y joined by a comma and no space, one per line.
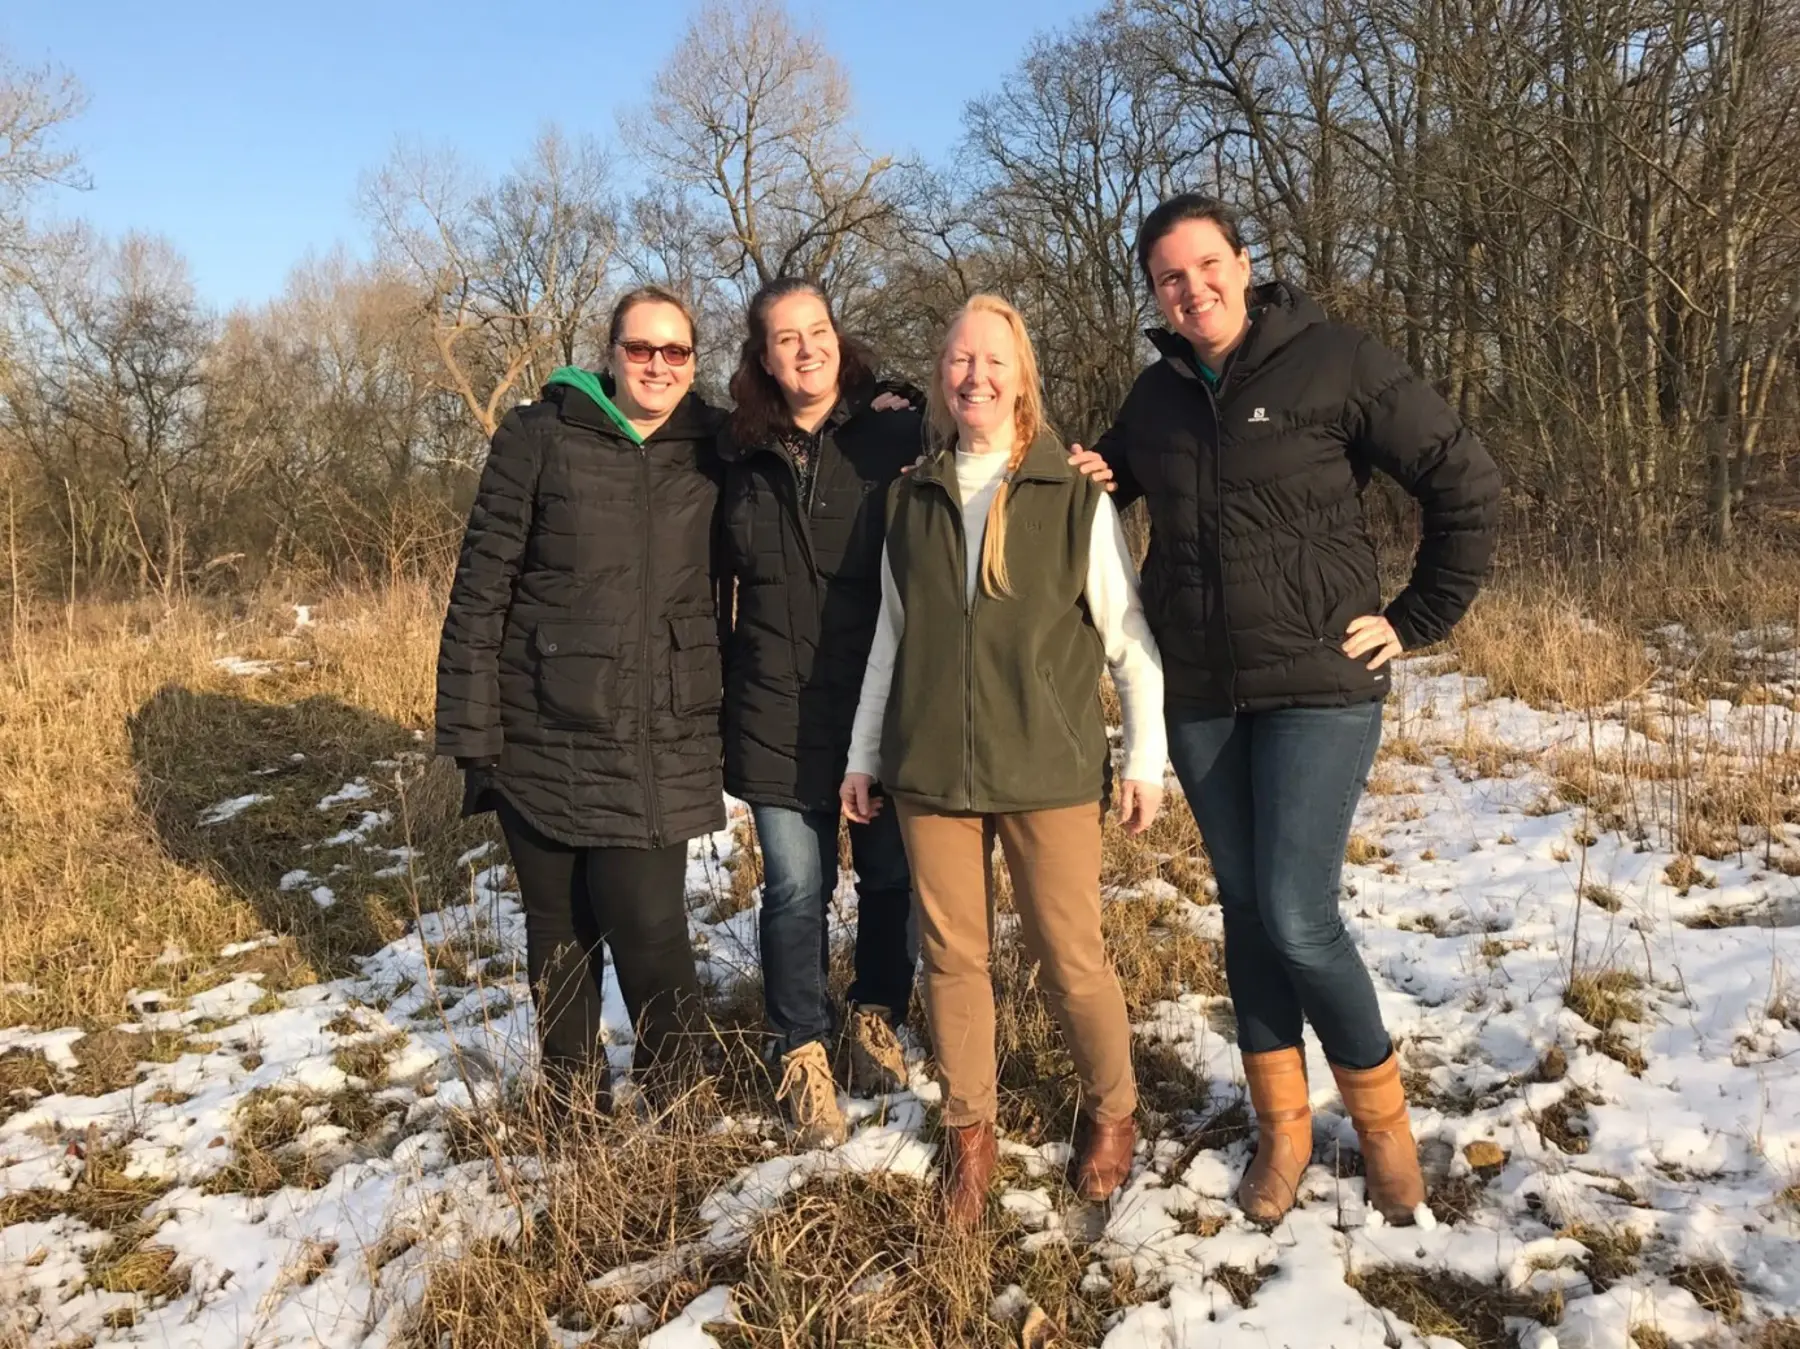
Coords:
1212,401
653,807
803,509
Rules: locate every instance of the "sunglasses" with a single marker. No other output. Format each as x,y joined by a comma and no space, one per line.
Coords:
673,353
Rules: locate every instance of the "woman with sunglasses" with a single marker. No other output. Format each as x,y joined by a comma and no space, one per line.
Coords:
579,684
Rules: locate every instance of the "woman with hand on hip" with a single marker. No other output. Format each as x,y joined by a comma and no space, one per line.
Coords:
810,449
1251,440
578,680
1006,588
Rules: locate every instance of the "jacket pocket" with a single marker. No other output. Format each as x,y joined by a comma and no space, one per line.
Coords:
1315,592
577,673
695,685
1064,722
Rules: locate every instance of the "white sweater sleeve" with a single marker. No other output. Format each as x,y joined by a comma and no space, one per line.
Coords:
878,677
1131,654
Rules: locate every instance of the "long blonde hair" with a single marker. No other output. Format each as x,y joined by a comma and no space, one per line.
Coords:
1028,424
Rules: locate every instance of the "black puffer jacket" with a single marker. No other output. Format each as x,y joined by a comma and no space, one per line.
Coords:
1259,553
808,589
580,649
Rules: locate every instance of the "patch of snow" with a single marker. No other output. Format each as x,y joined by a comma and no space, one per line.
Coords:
221,811
358,790
371,821
248,669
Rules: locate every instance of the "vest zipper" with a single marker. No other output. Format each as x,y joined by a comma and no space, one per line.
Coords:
962,573
969,602
653,811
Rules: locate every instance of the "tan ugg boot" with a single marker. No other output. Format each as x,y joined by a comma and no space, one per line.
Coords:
1377,1104
1284,1139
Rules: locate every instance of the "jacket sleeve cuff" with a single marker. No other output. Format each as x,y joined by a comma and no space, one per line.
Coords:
1400,616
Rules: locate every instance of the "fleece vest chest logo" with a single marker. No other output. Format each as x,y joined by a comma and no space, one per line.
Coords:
1260,415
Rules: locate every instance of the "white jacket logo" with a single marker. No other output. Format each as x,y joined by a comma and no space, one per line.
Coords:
1260,415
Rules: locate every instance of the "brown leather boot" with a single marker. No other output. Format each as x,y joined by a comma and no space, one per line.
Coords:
1105,1161
1284,1138
970,1154
1377,1105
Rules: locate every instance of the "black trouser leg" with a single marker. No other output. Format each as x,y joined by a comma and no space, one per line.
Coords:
639,901
562,949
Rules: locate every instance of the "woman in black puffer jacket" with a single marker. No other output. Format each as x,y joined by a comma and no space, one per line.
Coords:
579,678
1251,441
811,448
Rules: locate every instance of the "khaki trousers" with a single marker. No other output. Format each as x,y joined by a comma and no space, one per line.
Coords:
1054,859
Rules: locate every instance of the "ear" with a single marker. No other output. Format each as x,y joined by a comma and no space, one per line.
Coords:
763,360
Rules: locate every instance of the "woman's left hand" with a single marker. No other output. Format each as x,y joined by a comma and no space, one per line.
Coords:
1138,804
1372,636
890,402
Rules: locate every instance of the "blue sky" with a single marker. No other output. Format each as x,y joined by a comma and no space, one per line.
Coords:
240,130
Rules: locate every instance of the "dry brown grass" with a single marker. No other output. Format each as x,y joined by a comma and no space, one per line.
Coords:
1601,997
1714,1286
117,730
1612,1252
103,1196
1546,650
1446,1304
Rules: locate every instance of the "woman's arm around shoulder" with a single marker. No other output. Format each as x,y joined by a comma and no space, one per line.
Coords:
864,765
1134,662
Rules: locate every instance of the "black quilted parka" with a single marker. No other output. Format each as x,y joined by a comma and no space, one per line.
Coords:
579,667
807,579
1259,553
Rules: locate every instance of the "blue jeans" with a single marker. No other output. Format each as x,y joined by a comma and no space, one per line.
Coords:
800,872
1273,794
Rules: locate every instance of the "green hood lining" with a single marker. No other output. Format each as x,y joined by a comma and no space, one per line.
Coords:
589,383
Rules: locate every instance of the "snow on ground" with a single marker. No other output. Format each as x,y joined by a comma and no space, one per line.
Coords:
1477,895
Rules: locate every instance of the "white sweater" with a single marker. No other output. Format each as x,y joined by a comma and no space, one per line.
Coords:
1112,598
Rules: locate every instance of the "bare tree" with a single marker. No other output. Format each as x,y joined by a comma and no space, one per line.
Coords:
511,272
753,116
34,106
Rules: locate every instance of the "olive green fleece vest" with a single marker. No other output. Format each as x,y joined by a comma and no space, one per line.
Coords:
995,703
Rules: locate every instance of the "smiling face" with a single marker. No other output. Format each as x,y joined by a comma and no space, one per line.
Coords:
1201,285
649,392
801,350
980,374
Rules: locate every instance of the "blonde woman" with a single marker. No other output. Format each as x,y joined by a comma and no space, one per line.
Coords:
1006,587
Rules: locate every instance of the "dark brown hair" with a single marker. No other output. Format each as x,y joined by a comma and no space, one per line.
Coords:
761,411
1187,206
631,299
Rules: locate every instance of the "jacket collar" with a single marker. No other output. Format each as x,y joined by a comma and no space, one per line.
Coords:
693,418
1046,461
1279,312
851,404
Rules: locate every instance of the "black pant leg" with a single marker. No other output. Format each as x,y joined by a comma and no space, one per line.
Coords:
639,897
562,947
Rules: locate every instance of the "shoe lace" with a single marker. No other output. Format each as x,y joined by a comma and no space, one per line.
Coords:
876,1033
807,1083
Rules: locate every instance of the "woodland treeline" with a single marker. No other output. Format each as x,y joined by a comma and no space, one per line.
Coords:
1581,221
